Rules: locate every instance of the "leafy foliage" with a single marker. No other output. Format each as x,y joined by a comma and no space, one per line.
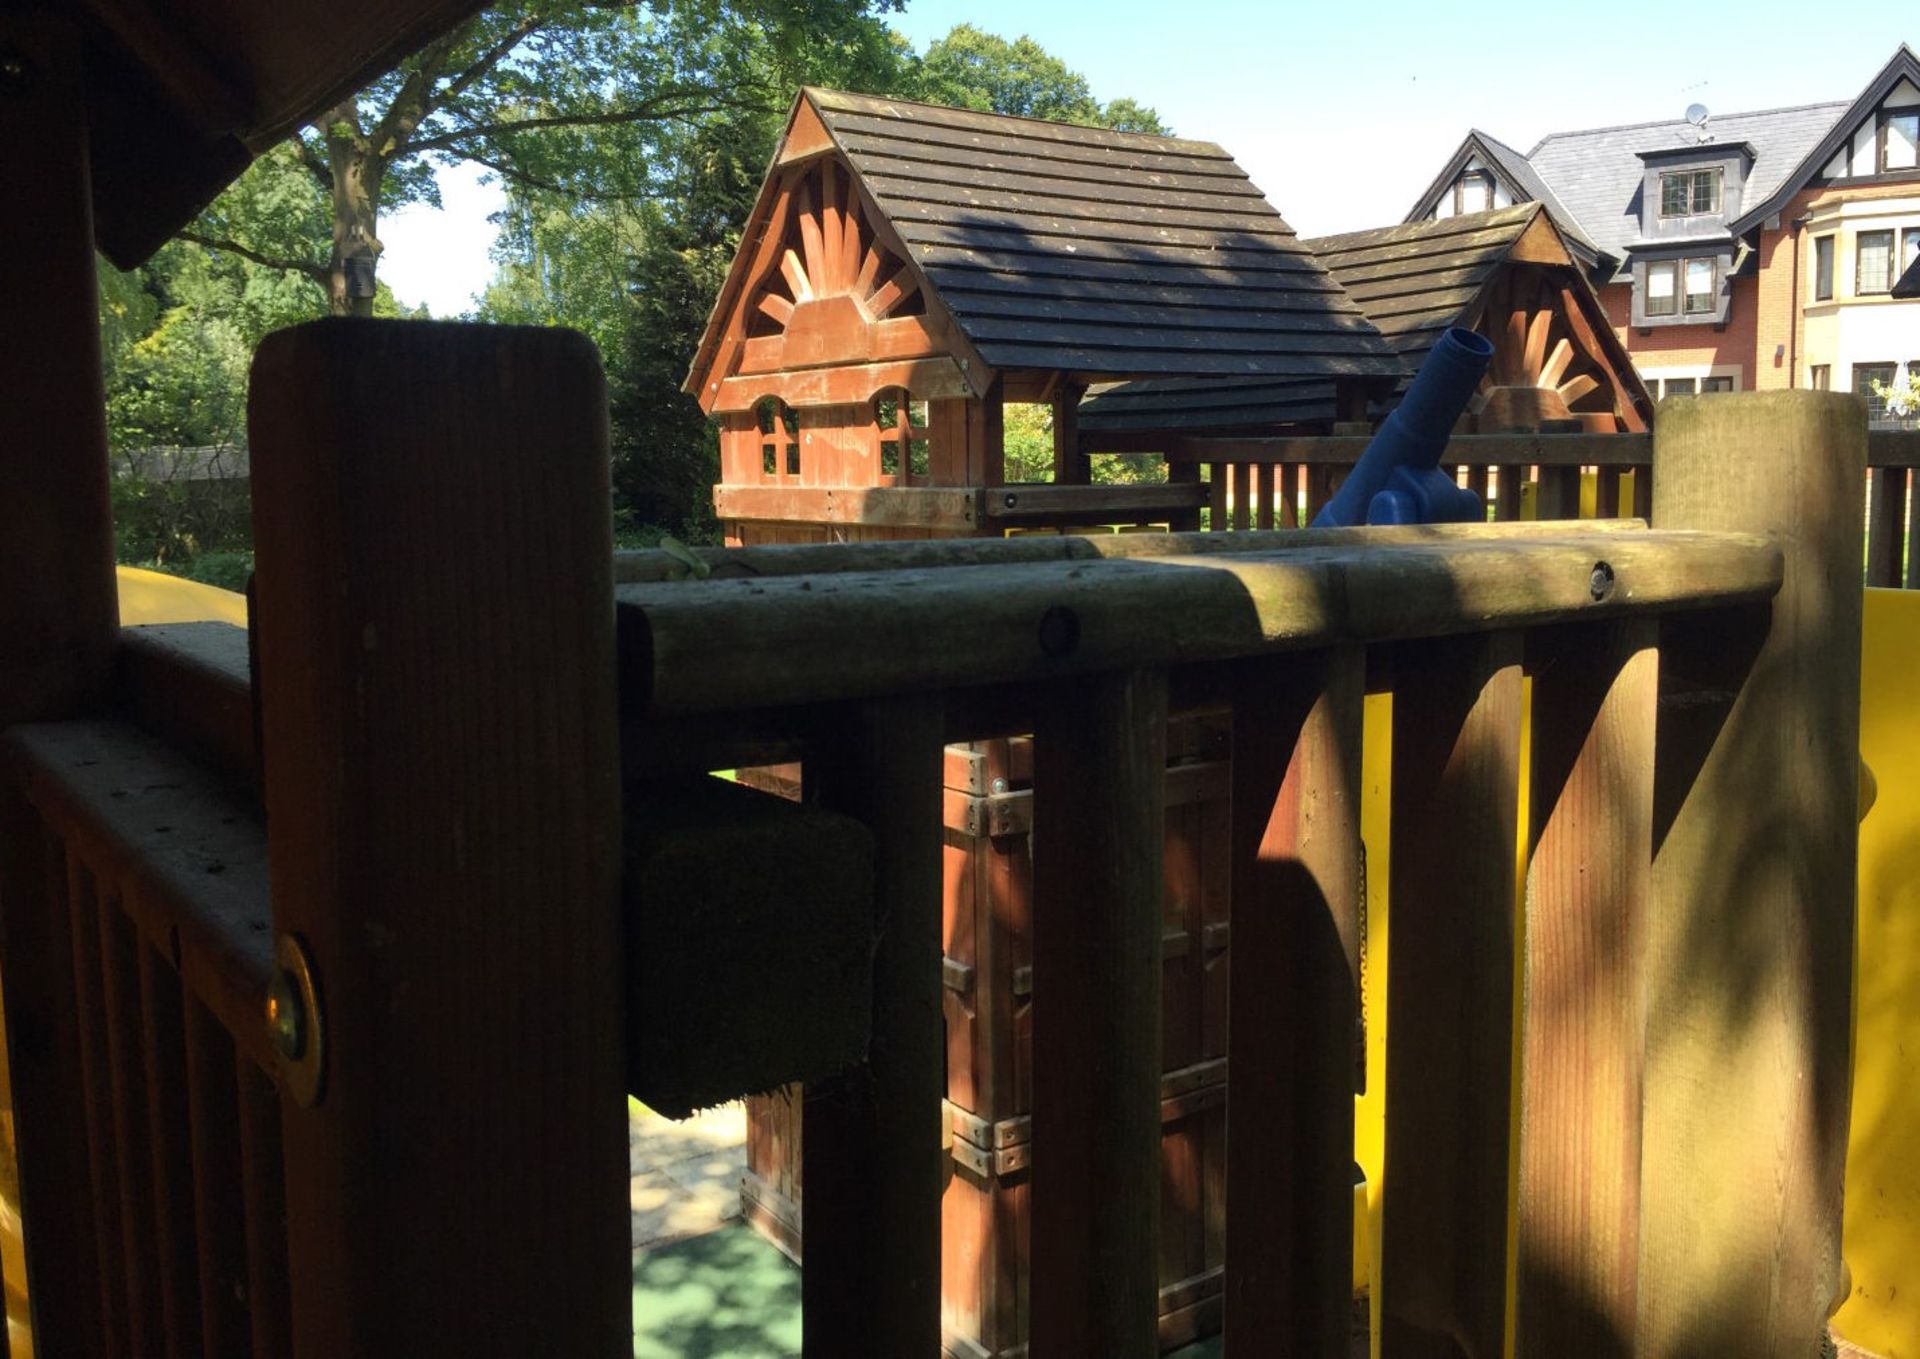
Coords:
972,69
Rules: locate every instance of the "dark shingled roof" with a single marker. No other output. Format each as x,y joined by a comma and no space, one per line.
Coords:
1413,281
1076,249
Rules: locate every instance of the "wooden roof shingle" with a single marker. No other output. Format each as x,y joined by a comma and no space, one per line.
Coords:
1412,282
1081,250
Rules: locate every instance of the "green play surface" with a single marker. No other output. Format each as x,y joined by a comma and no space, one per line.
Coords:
730,1295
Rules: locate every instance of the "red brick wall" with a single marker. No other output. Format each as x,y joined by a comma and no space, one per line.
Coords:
1690,346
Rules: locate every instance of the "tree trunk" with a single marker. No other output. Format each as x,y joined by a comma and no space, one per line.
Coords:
357,171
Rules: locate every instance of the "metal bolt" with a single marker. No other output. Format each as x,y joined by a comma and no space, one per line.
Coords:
286,1017
1011,500
16,70
1059,631
999,785
1600,582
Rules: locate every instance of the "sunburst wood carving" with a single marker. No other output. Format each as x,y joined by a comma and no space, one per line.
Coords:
1540,370
831,270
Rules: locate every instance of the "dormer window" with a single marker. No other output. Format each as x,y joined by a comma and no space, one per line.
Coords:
1675,287
1473,192
1688,193
1899,139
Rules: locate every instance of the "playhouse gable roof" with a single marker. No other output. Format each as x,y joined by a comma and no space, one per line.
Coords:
1071,250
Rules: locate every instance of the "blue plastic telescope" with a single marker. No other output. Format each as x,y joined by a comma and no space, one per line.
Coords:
1398,479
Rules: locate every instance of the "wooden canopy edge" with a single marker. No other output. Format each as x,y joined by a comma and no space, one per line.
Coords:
180,97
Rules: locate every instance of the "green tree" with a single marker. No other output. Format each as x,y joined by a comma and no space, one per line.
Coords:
972,69
570,97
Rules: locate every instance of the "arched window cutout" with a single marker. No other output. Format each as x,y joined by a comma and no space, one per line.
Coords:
902,425
779,428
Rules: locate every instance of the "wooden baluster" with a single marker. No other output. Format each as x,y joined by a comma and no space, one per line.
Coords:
163,1052
1607,493
1477,480
1886,507
1751,918
1559,495
264,1181
1098,822
119,995
1181,472
1456,737
219,1202
1290,496
96,1074
1263,494
1506,495
1242,495
1591,837
1217,497
871,1284
441,751
1913,529
1297,884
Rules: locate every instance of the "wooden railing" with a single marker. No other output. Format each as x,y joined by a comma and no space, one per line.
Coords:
442,724
1280,482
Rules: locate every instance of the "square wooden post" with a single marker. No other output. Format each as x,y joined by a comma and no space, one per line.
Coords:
435,631
1751,914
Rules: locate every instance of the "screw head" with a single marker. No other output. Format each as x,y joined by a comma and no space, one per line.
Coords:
16,70
286,1017
1600,581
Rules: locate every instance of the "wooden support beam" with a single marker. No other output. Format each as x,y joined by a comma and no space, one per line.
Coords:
1297,887
1456,739
1886,524
870,1288
1099,774
441,752
58,608
1591,847
1751,920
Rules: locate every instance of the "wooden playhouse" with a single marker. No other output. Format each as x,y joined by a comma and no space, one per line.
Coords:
908,270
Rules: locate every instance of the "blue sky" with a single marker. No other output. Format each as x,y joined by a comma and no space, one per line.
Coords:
1341,111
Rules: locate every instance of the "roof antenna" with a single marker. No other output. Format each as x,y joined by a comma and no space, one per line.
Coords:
1697,115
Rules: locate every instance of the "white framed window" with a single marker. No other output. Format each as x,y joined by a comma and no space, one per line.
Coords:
1688,193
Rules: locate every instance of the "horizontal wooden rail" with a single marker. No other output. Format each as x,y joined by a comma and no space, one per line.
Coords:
649,565
707,646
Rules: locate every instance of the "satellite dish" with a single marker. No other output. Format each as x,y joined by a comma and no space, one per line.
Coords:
1697,114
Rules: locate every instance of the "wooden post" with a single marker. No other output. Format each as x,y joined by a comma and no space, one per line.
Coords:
1071,466
871,1284
59,615
1297,887
58,609
1456,738
1750,939
441,753
1886,527
1591,846
1099,789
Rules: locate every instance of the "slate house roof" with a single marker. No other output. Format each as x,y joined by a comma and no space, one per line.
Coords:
1591,180
1084,251
1522,181
1597,173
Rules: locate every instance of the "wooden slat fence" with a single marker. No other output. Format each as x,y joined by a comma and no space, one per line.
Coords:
426,831
1267,483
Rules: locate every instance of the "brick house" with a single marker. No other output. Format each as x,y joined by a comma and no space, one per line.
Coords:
1735,252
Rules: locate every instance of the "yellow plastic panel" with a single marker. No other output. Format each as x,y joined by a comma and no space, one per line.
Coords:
1881,1237
155,597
